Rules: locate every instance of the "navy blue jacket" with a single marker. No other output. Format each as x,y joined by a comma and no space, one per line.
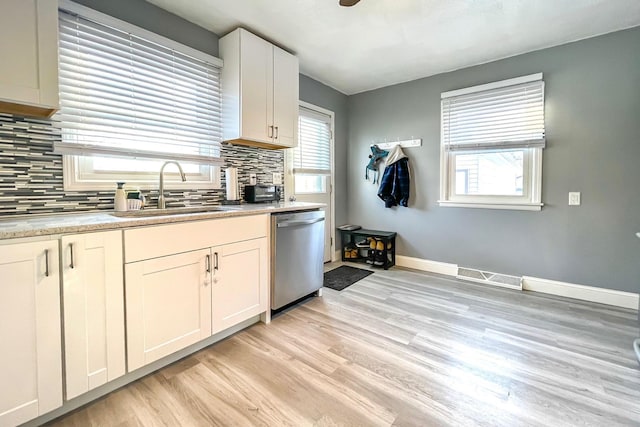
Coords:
395,184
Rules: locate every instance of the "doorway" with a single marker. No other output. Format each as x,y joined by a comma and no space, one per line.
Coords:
309,167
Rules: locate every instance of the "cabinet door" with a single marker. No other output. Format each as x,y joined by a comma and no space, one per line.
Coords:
285,98
240,282
29,47
93,295
168,305
256,77
31,356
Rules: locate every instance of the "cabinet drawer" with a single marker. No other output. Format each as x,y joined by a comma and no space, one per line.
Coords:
161,240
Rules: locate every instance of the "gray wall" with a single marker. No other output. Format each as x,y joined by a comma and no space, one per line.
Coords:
593,146
159,21
323,96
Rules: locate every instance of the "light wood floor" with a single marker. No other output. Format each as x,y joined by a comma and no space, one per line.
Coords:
401,348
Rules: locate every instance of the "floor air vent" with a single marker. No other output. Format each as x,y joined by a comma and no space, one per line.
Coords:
495,279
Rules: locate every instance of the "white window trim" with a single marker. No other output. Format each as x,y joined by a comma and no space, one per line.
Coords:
116,23
172,180
289,184
70,162
289,190
493,85
530,201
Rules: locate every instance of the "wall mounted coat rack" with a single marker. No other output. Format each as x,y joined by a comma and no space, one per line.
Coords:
405,143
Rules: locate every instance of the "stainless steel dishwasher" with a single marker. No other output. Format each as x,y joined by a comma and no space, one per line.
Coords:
298,256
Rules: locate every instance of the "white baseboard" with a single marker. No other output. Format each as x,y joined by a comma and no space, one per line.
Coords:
582,292
485,282
427,265
553,287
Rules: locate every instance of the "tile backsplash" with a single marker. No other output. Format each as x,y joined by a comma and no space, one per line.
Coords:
31,174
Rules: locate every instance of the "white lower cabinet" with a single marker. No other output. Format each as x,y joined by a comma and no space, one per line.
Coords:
93,297
168,305
174,300
31,356
240,282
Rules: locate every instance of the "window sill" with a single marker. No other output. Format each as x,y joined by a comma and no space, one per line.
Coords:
168,186
503,206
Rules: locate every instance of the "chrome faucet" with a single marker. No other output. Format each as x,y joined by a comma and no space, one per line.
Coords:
161,202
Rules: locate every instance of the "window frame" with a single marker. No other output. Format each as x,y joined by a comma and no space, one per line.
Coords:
325,177
531,199
532,184
75,179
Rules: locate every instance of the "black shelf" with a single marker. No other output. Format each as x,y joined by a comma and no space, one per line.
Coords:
349,240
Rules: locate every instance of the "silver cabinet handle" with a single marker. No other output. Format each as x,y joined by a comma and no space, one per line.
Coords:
277,132
208,259
215,261
270,132
46,262
71,262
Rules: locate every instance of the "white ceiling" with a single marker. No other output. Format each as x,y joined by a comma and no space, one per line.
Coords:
378,43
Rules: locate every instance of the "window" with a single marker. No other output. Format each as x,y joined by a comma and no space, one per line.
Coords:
130,100
312,156
491,148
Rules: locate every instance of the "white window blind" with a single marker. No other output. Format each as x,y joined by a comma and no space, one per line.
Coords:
507,114
122,95
313,153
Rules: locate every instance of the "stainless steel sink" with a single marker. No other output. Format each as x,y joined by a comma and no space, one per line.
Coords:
173,211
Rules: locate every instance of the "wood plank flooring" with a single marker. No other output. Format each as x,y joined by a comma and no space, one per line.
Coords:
406,349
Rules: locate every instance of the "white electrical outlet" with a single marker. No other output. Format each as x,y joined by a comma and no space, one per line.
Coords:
277,178
574,198
253,179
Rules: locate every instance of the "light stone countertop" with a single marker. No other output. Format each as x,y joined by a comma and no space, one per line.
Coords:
20,226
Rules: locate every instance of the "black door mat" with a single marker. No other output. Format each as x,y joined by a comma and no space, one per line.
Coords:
344,276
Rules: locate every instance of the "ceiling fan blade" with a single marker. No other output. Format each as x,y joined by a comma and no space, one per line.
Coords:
348,2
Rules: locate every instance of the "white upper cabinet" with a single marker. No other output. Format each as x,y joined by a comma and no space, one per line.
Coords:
29,52
93,295
31,356
285,99
259,92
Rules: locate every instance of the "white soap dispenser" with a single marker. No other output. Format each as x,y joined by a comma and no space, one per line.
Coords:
120,201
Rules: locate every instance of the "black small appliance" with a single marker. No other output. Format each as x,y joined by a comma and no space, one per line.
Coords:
262,193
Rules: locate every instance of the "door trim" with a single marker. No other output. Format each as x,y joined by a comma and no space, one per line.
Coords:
288,188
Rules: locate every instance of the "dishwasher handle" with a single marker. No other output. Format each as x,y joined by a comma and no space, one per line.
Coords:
295,223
